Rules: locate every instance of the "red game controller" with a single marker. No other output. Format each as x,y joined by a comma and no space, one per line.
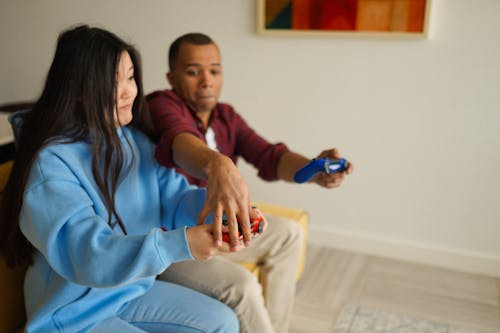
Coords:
256,228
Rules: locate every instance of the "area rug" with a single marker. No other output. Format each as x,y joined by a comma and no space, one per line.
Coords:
360,319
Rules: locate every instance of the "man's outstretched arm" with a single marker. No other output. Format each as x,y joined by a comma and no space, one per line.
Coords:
227,191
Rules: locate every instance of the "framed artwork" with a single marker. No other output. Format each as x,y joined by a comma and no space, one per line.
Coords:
378,18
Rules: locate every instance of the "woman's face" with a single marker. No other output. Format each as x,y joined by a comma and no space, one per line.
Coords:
126,90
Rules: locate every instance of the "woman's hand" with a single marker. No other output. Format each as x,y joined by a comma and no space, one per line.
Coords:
201,242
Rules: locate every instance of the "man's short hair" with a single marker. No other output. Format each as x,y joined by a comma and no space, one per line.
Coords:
195,38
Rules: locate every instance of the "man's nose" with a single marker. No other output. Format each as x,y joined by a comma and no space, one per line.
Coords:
207,78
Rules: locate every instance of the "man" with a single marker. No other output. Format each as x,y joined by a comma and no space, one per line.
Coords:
203,138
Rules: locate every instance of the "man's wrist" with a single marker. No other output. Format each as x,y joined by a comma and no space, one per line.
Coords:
215,162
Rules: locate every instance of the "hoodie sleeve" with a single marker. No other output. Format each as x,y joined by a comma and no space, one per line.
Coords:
181,202
59,218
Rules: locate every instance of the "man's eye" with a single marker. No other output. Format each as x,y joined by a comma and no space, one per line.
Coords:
192,73
215,72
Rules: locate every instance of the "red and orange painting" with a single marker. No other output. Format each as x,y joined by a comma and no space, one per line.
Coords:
404,16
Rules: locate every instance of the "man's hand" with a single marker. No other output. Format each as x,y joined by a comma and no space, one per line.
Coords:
258,224
333,179
227,193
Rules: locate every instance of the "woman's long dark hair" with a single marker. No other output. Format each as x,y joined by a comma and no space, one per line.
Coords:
77,103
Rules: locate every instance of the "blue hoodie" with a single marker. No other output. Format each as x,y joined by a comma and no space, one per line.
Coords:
85,270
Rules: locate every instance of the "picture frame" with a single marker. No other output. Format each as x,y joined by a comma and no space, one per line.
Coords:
344,18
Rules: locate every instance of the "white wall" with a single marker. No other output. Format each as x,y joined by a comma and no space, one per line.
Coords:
419,118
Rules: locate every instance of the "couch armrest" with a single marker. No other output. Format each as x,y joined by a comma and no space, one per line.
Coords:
300,216
12,313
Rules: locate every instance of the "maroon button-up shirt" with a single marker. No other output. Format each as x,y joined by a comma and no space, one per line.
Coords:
172,116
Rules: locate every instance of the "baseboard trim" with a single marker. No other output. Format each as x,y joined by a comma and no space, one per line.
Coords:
456,259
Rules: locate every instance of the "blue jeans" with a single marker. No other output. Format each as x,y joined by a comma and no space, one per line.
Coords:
168,307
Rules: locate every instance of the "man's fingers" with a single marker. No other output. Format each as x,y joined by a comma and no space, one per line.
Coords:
203,213
217,226
333,153
232,224
330,180
244,221
350,168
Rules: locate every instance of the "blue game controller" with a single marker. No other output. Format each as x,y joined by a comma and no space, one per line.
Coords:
320,165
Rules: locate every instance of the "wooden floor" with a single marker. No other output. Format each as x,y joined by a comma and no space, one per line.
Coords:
335,278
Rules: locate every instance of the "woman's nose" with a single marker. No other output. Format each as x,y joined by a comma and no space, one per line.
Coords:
124,94
127,91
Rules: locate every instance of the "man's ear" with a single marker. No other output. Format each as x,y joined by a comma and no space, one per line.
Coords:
170,78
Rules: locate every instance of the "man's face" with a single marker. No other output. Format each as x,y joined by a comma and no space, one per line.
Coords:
197,77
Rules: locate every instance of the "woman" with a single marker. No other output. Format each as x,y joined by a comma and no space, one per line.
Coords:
92,212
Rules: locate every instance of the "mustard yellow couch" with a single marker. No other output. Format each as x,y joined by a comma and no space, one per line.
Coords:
12,313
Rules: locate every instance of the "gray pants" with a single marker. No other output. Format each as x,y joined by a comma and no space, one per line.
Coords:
277,251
